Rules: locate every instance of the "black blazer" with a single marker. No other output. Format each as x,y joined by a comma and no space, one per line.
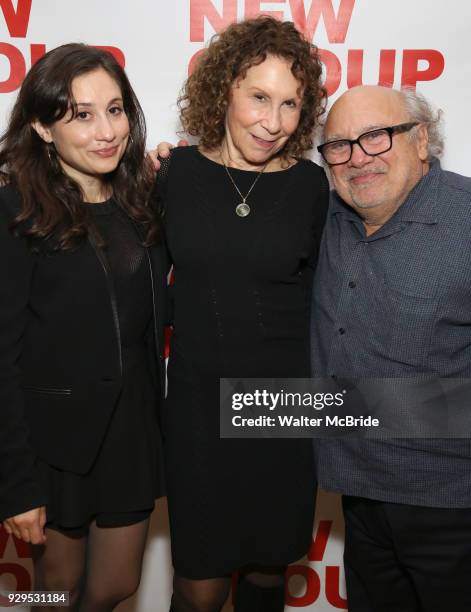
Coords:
60,363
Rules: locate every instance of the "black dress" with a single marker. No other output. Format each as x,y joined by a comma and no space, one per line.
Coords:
242,301
126,476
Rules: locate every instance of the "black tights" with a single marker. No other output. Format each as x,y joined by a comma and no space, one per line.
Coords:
211,594
100,568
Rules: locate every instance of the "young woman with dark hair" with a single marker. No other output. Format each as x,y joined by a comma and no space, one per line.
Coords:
82,286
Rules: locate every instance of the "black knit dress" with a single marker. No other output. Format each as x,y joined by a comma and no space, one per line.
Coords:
127,475
241,299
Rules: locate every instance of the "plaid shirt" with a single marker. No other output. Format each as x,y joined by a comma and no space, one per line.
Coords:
397,304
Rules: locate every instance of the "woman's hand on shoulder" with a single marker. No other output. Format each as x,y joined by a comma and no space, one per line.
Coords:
163,150
28,526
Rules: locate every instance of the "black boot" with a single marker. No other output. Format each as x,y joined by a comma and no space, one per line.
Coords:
253,598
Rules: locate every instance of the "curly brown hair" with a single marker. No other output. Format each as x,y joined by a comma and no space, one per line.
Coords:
205,95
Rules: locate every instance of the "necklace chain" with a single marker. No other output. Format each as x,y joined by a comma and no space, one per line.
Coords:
243,208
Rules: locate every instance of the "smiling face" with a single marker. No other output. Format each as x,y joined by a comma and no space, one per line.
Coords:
90,143
264,111
375,186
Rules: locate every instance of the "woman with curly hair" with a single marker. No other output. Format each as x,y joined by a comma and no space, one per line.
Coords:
244,214
80,356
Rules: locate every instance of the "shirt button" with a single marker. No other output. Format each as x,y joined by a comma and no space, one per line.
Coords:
352,284
341,330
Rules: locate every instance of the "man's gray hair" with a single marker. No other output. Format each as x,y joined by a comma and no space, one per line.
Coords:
421,111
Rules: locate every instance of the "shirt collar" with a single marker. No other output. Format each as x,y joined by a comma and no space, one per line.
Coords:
420,205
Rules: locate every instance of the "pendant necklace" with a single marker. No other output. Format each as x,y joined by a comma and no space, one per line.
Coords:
243,209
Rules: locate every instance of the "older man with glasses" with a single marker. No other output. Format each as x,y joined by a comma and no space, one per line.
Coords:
392,299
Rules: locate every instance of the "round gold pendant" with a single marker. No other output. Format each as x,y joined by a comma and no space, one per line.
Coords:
242,209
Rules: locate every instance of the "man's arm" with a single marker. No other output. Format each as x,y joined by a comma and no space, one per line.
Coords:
163,150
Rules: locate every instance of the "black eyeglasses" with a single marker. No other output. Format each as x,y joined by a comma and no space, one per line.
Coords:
373,142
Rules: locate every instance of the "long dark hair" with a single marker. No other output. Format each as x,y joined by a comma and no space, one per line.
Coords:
52,202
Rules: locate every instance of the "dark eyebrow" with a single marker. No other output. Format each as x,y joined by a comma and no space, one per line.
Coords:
89,104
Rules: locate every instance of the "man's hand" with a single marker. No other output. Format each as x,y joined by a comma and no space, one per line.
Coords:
28,526
163,150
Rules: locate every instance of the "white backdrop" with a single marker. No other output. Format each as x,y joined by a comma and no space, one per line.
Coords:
424,43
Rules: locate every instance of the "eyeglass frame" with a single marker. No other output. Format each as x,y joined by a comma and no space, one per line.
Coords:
400,128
